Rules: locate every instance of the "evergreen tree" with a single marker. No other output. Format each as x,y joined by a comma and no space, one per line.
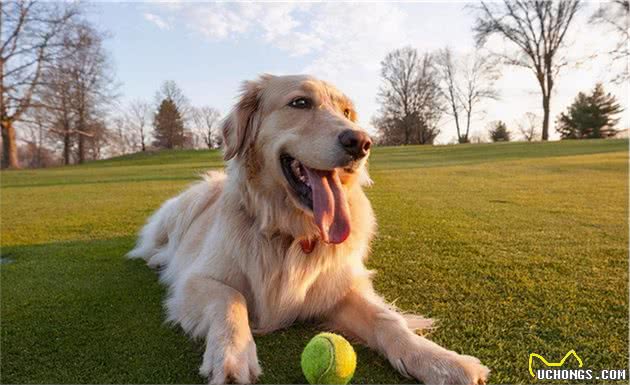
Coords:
499,132
590,116
168,125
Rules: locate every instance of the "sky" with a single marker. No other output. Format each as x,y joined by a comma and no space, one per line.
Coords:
210,48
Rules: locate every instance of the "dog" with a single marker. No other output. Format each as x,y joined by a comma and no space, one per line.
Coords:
282,236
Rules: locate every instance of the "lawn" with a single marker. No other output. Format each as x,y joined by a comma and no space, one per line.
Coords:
515,248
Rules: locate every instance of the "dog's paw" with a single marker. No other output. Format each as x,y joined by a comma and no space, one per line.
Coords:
450,368
434,365
231,365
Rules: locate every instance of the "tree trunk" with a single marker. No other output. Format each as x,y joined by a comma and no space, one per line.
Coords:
9,145
465,139
545,128
80,132
66,148
456,117
81,149
39,144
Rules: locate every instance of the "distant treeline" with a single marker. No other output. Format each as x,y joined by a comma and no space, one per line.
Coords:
421,90
60,101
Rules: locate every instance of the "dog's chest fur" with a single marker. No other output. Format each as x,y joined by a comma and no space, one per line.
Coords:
295,285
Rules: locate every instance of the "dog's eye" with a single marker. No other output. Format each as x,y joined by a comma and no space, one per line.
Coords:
346,113
301,103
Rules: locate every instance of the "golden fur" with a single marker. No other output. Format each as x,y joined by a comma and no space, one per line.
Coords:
230,246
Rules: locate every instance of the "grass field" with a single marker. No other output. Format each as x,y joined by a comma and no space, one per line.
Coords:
515,248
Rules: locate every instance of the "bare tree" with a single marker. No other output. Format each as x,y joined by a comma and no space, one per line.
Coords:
99,141
139,115
205,121
29,40
464,84
409,98
56,97
34,129
77,91
538,28
90,72
528,126
615,15
122,142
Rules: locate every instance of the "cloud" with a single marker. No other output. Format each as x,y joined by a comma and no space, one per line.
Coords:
281,25
157,20
218,21
358,43
342,42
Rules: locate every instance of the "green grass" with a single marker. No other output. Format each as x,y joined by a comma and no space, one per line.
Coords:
515,248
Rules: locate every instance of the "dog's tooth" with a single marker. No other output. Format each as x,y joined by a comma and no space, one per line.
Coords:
299,172
295,167
304,175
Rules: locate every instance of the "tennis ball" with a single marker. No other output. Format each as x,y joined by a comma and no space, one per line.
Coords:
328,359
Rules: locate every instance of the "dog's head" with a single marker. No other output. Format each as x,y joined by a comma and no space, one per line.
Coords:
296,138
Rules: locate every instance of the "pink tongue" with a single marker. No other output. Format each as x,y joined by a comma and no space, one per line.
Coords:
329,205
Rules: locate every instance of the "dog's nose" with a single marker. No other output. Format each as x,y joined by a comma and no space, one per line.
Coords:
356,143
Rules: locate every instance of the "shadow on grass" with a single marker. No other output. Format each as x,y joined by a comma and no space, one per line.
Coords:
79,312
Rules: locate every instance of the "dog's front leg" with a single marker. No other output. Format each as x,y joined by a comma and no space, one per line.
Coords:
363,314
208,308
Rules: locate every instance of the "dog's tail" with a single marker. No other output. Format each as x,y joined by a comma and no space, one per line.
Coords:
160,236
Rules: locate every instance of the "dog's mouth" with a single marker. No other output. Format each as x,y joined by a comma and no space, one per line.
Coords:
295,174
320,191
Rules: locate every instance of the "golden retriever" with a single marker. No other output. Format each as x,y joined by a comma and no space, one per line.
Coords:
282,236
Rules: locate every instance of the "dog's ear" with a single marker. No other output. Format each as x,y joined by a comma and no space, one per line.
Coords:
240,126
